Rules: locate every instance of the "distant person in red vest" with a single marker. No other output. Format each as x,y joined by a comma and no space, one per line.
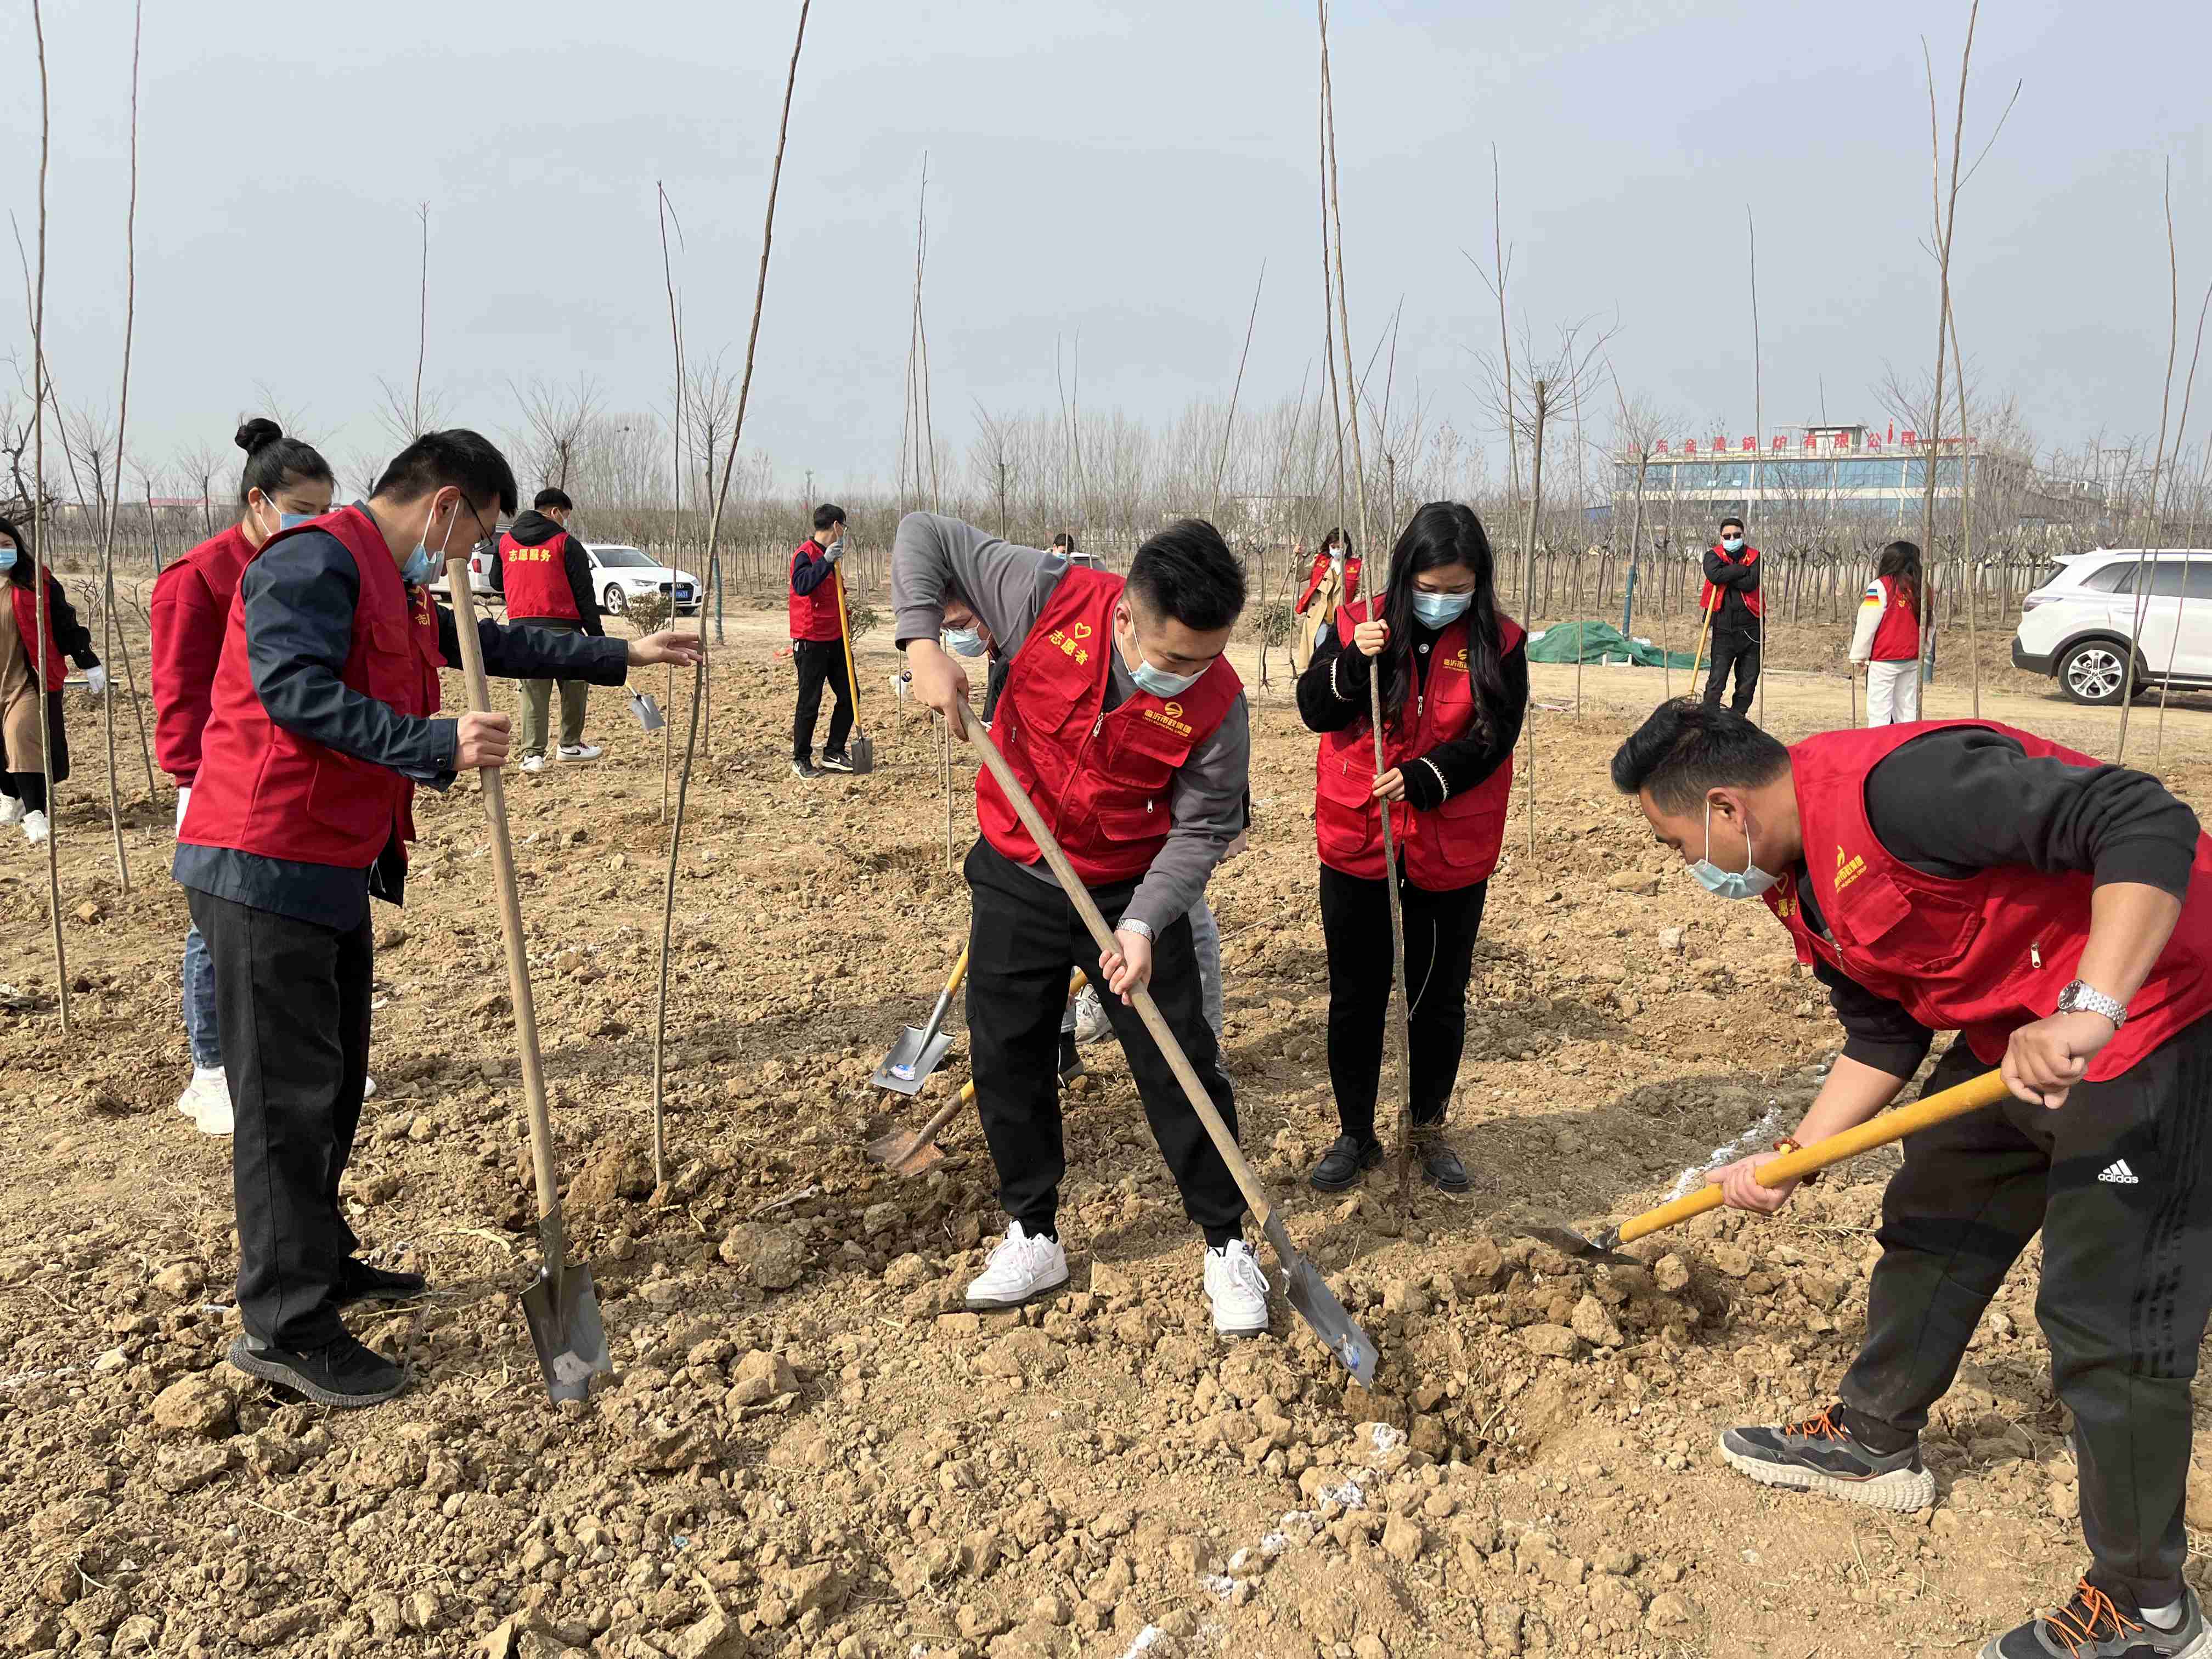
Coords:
1731,594
1333,581
2057,913
322,720
1886,644
547,579
1455,689
285,482
1123,719
818,646
32,667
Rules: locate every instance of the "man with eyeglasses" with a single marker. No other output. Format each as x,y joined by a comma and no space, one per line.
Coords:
320,723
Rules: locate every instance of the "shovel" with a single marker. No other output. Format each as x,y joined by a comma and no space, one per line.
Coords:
1970,1096
562,1308
917,1054
909,1154
861,749
1308,1292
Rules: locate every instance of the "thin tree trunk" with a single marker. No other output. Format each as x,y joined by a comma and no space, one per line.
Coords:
36,648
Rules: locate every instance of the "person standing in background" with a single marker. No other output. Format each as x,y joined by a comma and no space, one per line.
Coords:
1731,595
31,667
818,646
285,482
547,579
1333,581
1886,644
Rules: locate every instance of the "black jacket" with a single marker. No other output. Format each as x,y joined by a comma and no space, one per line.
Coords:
1332,695
1735,582
71,637
534,529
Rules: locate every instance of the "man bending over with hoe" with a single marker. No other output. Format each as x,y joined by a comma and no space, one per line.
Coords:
1127,726
2057,914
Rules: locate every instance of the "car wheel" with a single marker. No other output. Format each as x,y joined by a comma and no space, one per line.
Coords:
2094,672
612,601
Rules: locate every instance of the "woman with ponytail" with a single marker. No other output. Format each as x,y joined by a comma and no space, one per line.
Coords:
285,482
1886,644
1455,685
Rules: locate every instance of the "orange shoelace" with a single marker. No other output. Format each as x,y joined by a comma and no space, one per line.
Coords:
1823,1427
2103,1618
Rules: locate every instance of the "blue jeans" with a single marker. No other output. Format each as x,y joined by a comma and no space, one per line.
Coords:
199,1003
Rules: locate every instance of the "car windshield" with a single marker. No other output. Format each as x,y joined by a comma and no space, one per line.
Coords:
622,558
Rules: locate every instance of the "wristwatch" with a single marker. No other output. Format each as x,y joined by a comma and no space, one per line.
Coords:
1131,925
2082,998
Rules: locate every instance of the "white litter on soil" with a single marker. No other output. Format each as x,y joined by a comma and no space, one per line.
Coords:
1145,1637
1757,1138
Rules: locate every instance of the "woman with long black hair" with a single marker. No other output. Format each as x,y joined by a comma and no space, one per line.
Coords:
32,667
1886,644
1454,684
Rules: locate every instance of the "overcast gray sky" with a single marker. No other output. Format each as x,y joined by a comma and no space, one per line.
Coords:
1118,170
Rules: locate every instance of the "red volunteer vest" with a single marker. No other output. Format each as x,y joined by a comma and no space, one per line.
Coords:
190,611
1100,780
1897,635
1458,843
1984,956
1320,570
262,789
52,670
536,580
814,616
1749,557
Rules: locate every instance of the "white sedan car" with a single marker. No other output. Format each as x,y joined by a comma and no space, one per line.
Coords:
623,574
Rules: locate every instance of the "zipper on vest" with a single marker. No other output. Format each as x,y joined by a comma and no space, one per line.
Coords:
2035,953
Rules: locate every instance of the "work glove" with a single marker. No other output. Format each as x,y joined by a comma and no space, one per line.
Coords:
96,680
835,551
183,799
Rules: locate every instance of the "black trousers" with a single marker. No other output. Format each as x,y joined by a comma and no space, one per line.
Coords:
1440,934
820,662
1023,940
27,766
2119,1180
28,788
1737,650
292,1002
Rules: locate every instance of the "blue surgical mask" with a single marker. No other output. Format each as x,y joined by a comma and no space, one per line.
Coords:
964,642
1434,610
1159,683
423,564
286,520
7,558
1732,544
1747,883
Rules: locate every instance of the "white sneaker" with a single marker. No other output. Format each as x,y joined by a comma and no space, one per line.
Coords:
1237,1287
533,763
581,751
34,828
11,810
208,1085
1021,1267
1090,1016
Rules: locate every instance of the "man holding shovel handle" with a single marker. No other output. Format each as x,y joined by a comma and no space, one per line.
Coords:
1123,719
2057,913
322,720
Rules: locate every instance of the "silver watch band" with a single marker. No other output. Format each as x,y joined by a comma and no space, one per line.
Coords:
2082,998
1131,925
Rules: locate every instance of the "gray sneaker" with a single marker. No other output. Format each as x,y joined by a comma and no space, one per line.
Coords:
1821,1454
2092,1626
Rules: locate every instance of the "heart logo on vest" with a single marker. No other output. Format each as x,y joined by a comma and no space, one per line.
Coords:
1081,630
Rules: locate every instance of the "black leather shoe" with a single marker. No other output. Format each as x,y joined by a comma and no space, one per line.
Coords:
1071,1062
342,1373
358,1282
1342,1165
1440,1165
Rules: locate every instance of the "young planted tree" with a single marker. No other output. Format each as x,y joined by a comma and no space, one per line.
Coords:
39,521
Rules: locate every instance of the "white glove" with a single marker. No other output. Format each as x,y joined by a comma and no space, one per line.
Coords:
96,680
835,551
183,799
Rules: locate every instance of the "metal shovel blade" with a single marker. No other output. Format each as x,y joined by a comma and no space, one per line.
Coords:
912,1058
904,1153
565,1327
861,750
1599,1250
1309,1293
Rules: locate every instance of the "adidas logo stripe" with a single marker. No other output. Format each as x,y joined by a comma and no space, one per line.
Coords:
2118,1173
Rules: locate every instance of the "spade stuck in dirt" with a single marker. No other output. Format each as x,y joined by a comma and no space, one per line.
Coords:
562,1308
1970,1096
918,1052
910,1153
861,748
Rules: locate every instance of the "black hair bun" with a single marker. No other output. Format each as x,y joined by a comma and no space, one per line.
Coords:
258,433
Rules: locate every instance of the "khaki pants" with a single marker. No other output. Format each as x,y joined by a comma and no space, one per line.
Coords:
536,701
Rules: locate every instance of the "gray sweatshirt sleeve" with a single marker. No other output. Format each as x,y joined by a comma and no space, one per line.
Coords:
1007,584
1206,813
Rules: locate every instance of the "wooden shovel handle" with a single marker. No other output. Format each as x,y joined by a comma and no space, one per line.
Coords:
959,973
1955,1102
944,1114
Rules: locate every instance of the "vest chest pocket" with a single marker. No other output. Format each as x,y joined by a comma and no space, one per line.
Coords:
1141,749
1909,933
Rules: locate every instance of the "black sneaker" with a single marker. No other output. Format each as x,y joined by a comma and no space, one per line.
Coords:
837,762
2092,1626
1440,1164
1341,1165
341,1373
806,769
1071,1062
1821,1454
358,1282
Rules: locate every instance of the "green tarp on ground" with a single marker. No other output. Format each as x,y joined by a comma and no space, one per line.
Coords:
1601,643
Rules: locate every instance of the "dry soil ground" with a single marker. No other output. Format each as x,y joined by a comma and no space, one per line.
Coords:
804,1450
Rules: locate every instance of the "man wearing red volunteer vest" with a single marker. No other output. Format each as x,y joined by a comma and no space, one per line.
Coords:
1731,594
818,646
2057,914
1126,725
547,579
322,720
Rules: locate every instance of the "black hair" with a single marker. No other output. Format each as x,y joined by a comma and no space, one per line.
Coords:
1900,562
20,572
1688,747
556,499
827,514
1065,542
467,461
1725,523
273,460
1337,535
1439,534
1188,572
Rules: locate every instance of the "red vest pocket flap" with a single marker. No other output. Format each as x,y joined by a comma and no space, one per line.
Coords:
1917,934
1128,823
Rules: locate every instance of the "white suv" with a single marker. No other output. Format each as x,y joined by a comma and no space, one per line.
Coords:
2077,625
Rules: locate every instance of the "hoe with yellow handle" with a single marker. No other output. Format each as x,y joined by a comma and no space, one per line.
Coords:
1970,1096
